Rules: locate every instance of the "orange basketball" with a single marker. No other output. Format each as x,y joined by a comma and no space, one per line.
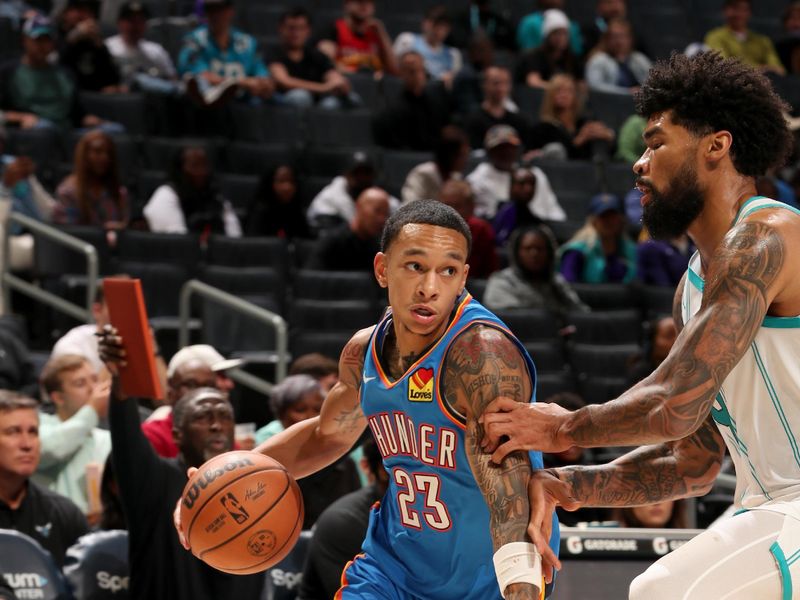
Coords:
242,512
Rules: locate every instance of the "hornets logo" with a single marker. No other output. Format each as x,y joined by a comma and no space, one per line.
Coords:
420,386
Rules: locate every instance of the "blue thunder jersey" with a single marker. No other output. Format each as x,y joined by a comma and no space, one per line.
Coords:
430,534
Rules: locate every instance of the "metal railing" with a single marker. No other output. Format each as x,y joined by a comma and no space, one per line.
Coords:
11,281
268,318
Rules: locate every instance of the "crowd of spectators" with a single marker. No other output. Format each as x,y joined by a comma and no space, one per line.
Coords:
491,102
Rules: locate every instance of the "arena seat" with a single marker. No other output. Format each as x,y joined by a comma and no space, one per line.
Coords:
596,389
611,109
548,357
10,40
161,284
528,99
657,300
368,88
606,327
548,384
249,252
619,178
283,580
606,296
258,158
530,324
44,146
172,248
340,127
341,285
326,343
570,175
477,287
332,315
239,188
169,32
252,17
301,251
148,181
29,569
97,566
398,163
159,153
53,260
606,360
564,230
271,124
330,162
127,109
574,204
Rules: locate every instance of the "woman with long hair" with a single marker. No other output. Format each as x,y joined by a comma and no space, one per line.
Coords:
190,202
92,193
537,66
564,122
277,209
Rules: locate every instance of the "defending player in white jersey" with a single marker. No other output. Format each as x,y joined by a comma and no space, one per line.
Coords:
733,375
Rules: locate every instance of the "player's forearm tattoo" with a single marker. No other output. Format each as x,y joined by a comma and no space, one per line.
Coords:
652,473
351,366
482,365
675,400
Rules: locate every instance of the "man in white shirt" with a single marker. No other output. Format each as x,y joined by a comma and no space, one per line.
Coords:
142,64
71,442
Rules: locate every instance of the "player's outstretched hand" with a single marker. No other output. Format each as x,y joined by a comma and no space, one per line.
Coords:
176,515
111,349
526,426
545,492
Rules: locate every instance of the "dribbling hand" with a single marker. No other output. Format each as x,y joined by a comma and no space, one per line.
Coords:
176,515
111,349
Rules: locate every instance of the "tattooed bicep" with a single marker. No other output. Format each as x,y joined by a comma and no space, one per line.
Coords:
482,365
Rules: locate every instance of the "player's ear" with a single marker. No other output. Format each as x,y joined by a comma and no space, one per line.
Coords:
464,277
380,266
718,145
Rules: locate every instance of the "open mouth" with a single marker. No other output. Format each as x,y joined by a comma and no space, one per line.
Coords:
423,314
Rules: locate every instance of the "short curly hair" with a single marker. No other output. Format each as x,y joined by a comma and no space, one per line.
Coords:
707,93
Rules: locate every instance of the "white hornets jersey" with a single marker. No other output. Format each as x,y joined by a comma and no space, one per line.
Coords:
757,410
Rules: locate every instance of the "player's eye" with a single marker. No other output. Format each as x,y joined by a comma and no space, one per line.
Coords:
413,266
449,271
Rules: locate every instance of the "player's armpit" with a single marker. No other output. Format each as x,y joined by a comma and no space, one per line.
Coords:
651,474
482,364
745,275
677,304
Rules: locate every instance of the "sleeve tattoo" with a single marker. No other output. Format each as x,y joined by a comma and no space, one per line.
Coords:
675,400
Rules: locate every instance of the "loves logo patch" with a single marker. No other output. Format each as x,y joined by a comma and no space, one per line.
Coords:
420,386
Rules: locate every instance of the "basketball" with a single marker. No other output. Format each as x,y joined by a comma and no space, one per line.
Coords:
242,512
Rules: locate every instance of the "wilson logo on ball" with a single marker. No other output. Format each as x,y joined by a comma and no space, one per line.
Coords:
191,496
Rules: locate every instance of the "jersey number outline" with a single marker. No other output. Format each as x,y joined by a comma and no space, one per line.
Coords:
435,515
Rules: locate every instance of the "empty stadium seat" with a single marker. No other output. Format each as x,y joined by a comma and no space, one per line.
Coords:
618,178
159,153
148,182
607,327
398,163
172,248
368,88
29,569
330,162
564,230
477,287
126,109
570,176
267,123
606,296
597,389
265,286
339,285
529,100
657,300
548,357
239,188
249,252
97,566
332,315
548,384
257,158
530,324
607,360
574,204
325,342
44,146
53,260
340,128
611,109
161,284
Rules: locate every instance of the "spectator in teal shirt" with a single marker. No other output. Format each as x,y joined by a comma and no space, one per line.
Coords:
529,31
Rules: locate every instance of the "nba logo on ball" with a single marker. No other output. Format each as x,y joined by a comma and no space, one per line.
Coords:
261,543
420,386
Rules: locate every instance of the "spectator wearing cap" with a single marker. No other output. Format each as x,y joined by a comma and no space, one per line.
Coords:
335,204
49,518
497,108
142,64
616,67
221,59
531,31
736,39
482,259
491,180
83,50
441,61
21,84
537,66
353,247
450,155
531,201
295,399
190,368
358,40
303,74
413,119
600,252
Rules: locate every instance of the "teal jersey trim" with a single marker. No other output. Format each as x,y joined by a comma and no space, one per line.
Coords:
793,558
783,567
747,203
696,280
776,403
775,204
741,511
781,322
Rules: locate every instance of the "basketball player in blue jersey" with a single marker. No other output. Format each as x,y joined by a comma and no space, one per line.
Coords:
452,525
733,375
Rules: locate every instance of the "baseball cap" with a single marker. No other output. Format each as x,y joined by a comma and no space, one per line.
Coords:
499,135
601,203
203,353
553,19
133,9
37,26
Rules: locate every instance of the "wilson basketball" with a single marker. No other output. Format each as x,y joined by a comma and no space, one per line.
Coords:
242,512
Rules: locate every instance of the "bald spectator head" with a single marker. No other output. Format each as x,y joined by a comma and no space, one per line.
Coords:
372,210
412,73
459,196
496,85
